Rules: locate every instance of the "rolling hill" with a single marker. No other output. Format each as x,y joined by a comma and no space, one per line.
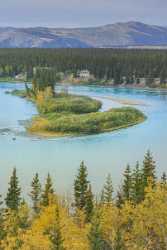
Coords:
130,34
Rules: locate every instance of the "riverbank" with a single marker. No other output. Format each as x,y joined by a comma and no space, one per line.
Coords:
51,134
12,80
94,83
92,123
121,86
125,101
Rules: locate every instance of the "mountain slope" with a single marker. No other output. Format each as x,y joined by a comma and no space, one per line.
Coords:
38,38
114,35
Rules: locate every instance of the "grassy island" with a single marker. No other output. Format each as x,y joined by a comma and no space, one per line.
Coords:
62,114
57,124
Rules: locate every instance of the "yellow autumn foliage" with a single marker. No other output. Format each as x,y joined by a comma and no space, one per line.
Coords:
136,227
74,237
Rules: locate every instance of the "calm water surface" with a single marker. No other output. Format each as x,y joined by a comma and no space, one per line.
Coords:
104,153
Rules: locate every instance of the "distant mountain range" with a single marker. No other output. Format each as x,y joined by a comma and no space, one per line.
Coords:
130,34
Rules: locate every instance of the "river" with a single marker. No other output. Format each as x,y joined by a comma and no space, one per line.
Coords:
102,153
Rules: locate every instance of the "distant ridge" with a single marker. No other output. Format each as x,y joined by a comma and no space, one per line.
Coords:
118,35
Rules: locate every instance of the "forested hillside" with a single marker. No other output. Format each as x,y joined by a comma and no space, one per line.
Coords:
122,66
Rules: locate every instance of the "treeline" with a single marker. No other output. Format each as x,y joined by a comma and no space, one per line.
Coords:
104,64
133,218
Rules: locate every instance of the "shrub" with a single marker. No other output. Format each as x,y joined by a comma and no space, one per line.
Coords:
89,123
69,103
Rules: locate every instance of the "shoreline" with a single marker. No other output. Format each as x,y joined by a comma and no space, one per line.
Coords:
56,135
13,81
120,86
96,84
138,88
124,101
45,133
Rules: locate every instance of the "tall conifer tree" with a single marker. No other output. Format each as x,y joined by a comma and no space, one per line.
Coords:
13,197
95,235
108,190
164,179
81,187
47,192
102,200
36,193
55,233
89,204
119,198
137,189
149,167
127,184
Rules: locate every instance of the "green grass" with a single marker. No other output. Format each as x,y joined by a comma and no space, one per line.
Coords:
19,93
70,104
86,123
11,80
74,115
63,103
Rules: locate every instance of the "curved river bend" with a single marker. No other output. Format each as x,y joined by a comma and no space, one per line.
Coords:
103,153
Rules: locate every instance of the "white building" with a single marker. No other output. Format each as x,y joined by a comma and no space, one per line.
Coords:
84,74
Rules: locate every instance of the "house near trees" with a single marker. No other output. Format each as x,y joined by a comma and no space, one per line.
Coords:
84,74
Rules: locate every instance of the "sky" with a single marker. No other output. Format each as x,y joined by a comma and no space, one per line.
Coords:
81,13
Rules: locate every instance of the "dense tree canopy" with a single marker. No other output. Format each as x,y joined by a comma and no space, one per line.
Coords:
104,64
140,222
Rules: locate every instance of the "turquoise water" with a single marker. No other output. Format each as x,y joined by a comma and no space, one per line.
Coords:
103,153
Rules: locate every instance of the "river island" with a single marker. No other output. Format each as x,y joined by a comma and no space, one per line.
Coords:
64,114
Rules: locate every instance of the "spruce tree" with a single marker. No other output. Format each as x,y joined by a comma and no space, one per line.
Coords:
81,187
13,197
108,190
102,199
164,178
95,235
127,184
54,233
89,204
149,167
119,242
137,188
47,192
119,199
36,193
